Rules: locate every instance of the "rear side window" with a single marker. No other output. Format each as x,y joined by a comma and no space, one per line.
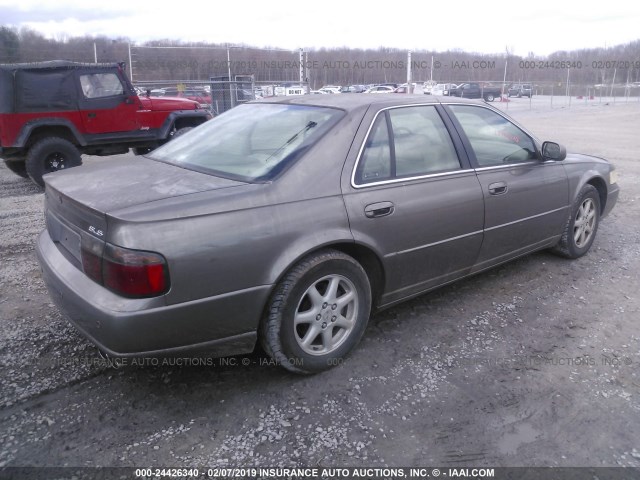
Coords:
494,139
406,142
375,161
41,90
98,85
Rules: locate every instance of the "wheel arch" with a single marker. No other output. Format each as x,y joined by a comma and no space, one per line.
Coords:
180,119
371,264
364,255
43,128
601,186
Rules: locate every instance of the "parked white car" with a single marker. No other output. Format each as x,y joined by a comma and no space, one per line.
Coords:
330,89
427,87
442,89
380,89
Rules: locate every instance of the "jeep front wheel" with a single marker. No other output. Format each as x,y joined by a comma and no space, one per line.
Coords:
50,155
181,131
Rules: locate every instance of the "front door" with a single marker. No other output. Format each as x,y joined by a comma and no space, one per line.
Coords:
526,199
106,105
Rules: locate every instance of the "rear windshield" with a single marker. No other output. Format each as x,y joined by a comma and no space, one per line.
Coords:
252,142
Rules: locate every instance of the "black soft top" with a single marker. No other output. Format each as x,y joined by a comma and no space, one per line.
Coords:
55,64
43,86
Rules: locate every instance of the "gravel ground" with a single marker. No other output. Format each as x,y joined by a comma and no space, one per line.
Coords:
534,363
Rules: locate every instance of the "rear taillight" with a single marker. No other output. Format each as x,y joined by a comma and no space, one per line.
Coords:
134,273
131,273
92,258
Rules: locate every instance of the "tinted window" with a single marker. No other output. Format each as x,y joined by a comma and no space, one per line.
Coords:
494,139
44,90
97,85
375,162
250,142
406,142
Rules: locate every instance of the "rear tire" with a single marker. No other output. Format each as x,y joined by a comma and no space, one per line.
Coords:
49,155
317,313
489,97
582,225
18,167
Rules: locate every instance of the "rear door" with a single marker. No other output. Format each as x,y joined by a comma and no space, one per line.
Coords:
526,199
412,197
106,103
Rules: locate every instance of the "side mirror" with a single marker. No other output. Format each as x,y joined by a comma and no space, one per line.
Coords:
553,151
148,92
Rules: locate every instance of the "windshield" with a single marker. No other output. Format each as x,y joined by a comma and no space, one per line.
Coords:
252,142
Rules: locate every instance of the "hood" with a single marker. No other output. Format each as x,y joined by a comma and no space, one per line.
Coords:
113,184
582,158
168,103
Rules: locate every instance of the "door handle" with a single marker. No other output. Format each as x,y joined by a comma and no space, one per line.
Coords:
91,114
381,209
498,188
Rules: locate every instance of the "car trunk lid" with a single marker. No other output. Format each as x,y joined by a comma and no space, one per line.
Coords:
110,185
78,201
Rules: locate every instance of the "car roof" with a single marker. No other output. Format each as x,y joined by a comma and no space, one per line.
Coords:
353,102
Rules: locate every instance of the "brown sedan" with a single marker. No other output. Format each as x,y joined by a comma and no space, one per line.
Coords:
289,221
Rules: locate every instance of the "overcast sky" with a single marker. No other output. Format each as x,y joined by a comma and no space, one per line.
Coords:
539,26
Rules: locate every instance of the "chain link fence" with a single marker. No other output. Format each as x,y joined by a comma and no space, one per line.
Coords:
162,69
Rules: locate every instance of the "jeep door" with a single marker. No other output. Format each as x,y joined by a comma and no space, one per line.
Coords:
412,197
106,103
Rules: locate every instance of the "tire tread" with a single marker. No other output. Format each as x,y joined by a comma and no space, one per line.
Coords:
563,247
34,165
271,323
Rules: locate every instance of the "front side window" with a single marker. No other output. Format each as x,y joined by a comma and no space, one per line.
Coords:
251,142
406,142
494,139
98,85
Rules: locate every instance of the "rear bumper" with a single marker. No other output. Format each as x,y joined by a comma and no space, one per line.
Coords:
215,326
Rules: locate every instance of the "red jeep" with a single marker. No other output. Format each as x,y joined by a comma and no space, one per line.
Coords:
53,112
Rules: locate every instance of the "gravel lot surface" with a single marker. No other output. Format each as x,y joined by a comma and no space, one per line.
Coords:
534,363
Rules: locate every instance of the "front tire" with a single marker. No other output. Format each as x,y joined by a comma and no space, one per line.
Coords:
582,225
489,97
317,313
181,131
51,155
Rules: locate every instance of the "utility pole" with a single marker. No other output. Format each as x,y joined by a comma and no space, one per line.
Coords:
301,59
130,65
409,71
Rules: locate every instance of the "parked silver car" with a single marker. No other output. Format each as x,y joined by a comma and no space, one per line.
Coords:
289,221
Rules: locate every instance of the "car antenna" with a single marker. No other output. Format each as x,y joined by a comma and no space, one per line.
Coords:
306,128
